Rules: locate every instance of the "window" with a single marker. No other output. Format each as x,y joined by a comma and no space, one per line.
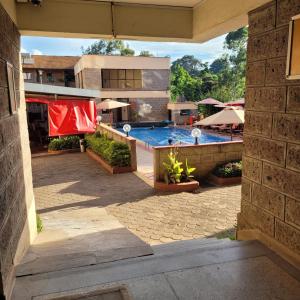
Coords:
27,76
185,112
121,79
50,77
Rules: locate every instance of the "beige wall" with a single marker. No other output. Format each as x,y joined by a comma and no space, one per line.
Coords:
203,157
270,207
17,208
120,137
121,62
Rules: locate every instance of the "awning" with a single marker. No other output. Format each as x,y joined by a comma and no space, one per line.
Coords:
67,117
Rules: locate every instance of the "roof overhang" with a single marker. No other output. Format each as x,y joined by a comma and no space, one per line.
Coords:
182,105
38,88
160,20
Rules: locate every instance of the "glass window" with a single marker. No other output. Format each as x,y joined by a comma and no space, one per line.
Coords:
113,74
105,74
129,74
138,84
185,112
129,84
50,77
137,74
113,84
121,79
122,74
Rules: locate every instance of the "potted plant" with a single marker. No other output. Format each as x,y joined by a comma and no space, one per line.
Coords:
176,177
228,173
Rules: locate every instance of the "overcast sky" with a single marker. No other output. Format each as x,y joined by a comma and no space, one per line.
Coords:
207,52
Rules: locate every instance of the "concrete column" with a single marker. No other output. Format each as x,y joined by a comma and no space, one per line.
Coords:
17,210
270,209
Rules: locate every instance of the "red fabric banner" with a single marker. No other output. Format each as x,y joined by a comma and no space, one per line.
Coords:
68,117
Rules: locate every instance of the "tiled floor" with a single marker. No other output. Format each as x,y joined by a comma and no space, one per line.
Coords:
74,181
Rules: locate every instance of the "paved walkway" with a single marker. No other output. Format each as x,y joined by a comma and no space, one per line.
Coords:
74,181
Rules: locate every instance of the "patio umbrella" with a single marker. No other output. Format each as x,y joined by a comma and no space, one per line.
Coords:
110,104
209,101
226,116
238,102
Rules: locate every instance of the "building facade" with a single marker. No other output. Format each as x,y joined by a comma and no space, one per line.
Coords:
143,82
50,70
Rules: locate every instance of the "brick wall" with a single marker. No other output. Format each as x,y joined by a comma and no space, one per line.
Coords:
16,194
203,157
271,177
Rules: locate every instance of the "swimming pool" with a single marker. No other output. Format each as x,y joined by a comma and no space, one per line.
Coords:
159,136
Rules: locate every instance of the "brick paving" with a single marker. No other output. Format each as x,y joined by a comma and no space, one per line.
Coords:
75,181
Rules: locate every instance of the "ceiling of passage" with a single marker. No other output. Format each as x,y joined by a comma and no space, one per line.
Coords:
183,3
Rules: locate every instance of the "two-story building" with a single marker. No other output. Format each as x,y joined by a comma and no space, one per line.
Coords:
143,82
50,70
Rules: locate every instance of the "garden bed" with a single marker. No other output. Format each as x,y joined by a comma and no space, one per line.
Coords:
227,174
113,156
224,180
57,152
67,144
106,165
176,187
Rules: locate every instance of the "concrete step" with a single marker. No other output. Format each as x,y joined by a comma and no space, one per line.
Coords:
171,257
189,245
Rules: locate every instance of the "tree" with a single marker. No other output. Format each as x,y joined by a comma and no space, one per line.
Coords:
191,64
113,47
126,51
219,65
146,53
179,79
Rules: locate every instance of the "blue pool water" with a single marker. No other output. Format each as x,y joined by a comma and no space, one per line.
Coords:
159,136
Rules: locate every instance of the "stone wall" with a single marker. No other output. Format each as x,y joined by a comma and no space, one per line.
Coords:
16,193
203,157
120,137
271,178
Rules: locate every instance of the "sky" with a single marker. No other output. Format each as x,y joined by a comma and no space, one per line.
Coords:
206,52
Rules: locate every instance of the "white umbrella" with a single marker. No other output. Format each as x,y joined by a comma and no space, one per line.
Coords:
110,104
226,116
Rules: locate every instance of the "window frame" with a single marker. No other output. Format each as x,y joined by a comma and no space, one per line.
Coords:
289,76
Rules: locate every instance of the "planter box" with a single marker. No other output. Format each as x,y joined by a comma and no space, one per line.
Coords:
224,181
56,152
110,169
176,188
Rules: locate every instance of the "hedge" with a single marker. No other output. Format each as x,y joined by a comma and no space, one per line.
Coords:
115,153
68,142
230,169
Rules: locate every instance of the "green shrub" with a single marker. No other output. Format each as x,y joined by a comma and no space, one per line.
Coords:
174,173
68,142
231,169
39,223
115,153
